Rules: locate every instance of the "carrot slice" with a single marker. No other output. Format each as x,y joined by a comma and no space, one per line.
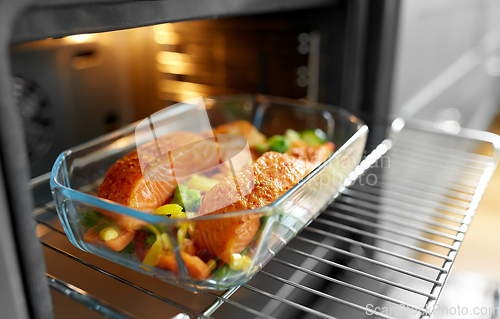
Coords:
92,237
196,267
167,262
120,242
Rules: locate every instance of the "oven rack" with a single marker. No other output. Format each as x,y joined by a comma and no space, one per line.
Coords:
384,248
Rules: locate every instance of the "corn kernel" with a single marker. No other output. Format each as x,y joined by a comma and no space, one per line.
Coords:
181,233
246,263
190,229
212,264
108,233
236,262
167,245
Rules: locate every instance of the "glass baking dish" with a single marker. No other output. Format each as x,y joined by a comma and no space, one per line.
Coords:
76,169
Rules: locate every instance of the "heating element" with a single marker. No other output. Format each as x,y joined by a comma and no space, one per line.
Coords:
384,248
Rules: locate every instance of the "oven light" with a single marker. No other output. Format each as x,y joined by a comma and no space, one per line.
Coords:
79,38
172,58
173,69
162,28
175,63
180,91
167,38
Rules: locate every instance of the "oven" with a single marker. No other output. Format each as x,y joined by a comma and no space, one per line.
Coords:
72,71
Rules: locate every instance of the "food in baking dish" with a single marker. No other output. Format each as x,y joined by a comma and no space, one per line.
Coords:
210,247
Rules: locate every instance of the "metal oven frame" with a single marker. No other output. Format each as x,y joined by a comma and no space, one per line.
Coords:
369,45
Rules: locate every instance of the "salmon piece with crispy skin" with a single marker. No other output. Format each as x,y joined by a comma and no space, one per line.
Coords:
125,183
313,155
243,128
258,185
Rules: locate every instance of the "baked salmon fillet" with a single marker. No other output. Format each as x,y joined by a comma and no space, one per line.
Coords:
258,185
243,128
312,155
125,184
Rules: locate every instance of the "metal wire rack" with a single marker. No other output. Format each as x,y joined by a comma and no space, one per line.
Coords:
384,248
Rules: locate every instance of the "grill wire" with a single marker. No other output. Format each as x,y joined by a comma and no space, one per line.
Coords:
384,248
